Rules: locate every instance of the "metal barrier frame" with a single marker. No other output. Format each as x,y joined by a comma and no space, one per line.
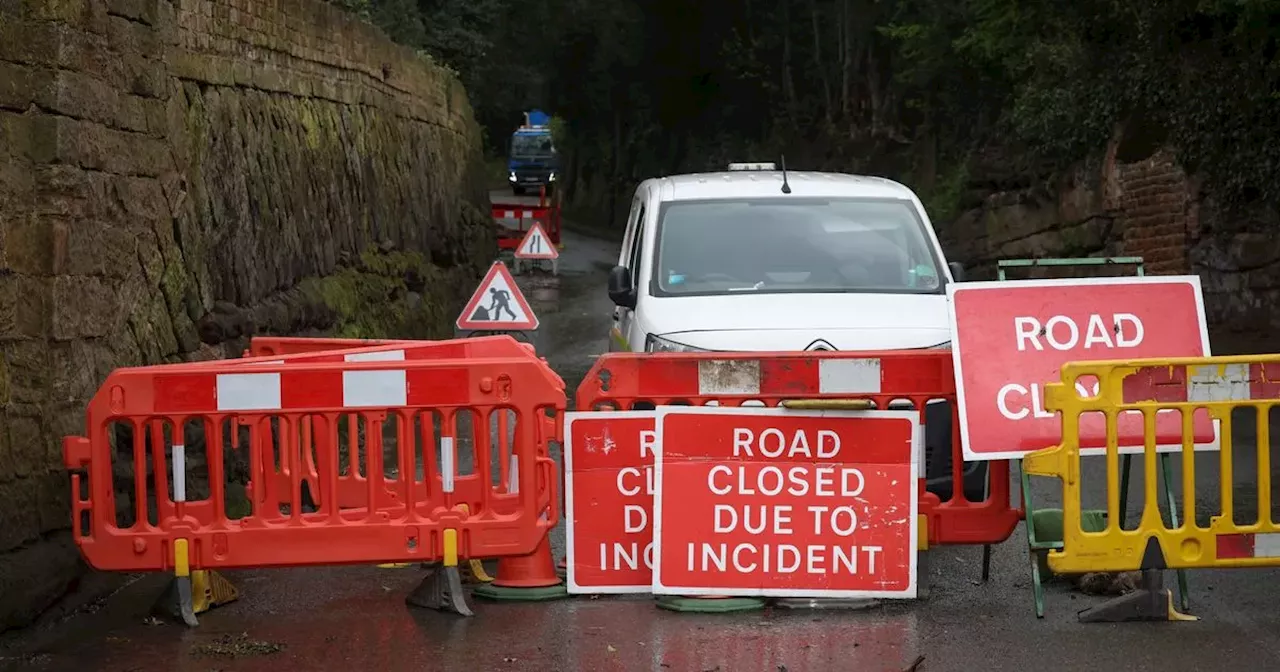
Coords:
1033,544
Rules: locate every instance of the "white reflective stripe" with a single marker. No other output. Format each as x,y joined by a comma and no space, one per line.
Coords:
179,472
728,376
513,475
526,214
248,391
381,356
1266,545
509,214
849,376
1218,382
448,463
374,388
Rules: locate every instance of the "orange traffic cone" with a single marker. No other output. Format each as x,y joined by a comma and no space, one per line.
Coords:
526,578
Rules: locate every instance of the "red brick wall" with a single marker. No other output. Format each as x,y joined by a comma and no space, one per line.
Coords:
1155,209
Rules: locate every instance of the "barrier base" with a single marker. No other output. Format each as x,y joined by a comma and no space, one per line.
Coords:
845,603
1151,602
702,605
187,596
474,572
441,590
512,594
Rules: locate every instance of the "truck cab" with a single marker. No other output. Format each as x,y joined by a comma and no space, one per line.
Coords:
532,160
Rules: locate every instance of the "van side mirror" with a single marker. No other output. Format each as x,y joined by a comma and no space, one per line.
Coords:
620,290
957,270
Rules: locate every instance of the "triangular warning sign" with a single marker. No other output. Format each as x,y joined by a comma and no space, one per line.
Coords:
536,245
497,305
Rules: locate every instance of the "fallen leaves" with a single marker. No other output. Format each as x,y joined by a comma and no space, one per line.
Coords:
235,646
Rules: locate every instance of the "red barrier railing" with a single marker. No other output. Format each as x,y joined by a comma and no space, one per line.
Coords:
264,346
160,416
546,213
620,381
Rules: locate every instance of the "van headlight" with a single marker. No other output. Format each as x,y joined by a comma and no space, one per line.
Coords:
658,344
511,176
551,177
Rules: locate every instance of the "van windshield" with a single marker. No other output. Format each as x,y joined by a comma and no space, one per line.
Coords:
794,245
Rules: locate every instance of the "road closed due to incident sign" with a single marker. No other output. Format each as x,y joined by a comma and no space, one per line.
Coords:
1011,338
758,501
609,484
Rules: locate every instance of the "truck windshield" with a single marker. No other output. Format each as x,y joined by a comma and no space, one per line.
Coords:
794,245
531,145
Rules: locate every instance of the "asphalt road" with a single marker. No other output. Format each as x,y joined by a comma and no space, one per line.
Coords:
355,618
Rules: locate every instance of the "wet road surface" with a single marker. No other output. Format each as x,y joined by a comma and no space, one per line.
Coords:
355,618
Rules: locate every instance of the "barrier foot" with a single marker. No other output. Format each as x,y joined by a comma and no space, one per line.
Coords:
709,605
441,590
526,578
197,593
474,572
1151,602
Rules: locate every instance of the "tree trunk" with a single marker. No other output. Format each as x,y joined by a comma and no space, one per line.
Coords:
817,61
788,83
846,59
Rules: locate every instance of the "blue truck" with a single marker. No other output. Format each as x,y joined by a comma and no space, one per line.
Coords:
533,161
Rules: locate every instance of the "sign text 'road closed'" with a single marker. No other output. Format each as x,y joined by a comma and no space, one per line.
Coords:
609,485
1011,338
770,502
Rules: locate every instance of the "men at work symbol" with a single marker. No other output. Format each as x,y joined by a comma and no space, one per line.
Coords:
499,301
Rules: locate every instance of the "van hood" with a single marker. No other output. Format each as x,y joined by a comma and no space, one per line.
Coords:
781,322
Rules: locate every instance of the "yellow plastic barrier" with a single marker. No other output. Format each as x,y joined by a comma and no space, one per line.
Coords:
1217,384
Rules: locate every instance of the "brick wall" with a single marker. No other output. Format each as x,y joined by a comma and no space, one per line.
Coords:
1154,201
178,174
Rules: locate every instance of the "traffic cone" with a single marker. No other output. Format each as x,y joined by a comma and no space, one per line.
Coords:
526,578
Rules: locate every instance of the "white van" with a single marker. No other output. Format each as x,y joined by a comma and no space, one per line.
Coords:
753,259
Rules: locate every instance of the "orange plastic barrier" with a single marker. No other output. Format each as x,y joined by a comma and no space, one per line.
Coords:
269,482
620,381
305,404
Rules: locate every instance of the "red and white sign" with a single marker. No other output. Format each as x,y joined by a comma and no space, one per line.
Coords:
609,483
1010,338
536,245
770,502
497,305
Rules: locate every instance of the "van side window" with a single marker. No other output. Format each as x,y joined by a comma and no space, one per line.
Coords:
637,244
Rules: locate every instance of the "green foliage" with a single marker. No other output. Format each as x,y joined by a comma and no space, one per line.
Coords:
642,88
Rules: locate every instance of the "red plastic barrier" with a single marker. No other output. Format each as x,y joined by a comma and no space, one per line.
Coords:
618,381
269,481
546,213
296,405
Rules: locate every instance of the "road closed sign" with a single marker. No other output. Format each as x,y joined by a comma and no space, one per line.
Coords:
1010,339
769,502
609,484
